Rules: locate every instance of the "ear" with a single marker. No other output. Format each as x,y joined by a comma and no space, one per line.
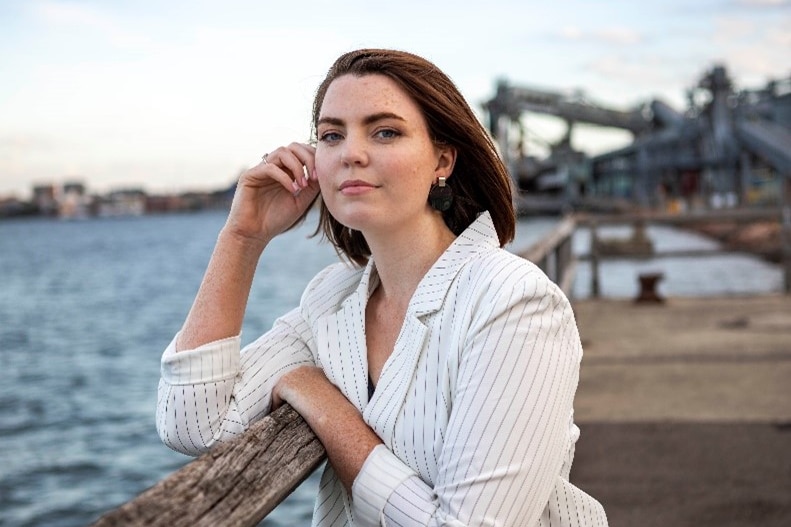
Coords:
446,160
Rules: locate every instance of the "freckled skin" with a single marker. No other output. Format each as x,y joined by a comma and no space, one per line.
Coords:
401,167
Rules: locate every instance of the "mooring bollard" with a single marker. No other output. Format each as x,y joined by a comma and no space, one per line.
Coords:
648,292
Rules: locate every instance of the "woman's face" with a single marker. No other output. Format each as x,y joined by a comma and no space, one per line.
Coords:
375,160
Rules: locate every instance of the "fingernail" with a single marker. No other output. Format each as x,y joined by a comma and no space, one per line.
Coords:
295,186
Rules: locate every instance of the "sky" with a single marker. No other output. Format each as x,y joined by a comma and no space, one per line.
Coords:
182,95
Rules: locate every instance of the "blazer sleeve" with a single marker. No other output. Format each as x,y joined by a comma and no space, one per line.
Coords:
508,433
214,392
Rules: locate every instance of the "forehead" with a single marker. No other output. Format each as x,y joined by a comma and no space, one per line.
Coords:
351,95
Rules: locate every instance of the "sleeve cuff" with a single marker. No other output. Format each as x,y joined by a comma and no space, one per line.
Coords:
211,362
381,474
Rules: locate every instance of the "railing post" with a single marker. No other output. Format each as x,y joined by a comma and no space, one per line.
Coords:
564,255
594,252
553,255
785,233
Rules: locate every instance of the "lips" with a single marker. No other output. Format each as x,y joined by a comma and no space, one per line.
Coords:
355,185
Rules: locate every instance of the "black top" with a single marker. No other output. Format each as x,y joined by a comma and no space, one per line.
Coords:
371,388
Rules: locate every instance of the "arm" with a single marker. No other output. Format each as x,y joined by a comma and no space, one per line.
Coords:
337,423
207,390
214,392
269,199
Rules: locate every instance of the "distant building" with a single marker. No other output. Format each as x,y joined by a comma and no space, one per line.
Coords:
44,199
129,202
71,200
11,207
73,203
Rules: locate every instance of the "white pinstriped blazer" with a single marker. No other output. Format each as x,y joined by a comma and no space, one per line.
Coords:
474,405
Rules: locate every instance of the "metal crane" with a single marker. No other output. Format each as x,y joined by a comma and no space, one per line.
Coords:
714,153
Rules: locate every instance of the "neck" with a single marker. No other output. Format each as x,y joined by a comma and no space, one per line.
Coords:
404,256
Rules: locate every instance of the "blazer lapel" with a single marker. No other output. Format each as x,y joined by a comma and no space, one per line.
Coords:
341,346
396,378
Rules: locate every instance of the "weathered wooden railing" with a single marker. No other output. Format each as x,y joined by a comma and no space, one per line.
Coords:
236,484
733,216
553,254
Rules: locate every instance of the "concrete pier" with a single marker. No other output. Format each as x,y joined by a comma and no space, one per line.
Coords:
685,410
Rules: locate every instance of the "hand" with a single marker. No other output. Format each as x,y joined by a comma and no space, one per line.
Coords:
273,195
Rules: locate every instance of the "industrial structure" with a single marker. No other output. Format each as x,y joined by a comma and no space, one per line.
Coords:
728,148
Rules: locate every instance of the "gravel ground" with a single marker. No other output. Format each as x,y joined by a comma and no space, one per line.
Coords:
687,474
685,411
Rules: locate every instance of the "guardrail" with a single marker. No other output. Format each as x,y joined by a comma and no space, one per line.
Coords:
553,254
236,484
734,216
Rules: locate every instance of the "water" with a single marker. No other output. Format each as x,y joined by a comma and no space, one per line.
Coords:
715,275
86,308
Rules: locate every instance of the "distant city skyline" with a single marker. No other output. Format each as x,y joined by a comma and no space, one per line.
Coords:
174,96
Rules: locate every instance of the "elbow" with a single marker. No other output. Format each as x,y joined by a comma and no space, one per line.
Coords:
175,430
176,435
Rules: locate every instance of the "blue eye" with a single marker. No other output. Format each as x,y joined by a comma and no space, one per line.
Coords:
388,133
330,137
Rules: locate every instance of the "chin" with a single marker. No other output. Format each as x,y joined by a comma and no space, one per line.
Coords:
356,218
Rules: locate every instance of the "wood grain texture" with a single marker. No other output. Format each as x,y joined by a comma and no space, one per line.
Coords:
236,484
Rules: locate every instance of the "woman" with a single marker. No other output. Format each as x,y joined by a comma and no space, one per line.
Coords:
437,369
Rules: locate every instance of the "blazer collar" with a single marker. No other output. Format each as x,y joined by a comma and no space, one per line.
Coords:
479,237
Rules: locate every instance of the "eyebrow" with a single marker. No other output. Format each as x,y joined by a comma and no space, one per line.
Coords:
369,119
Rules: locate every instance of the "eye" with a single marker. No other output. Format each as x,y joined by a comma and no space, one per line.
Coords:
387,133
330,137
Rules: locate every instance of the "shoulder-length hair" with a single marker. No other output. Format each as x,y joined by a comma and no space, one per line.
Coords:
480,181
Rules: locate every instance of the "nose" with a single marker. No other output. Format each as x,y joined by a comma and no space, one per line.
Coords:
354,150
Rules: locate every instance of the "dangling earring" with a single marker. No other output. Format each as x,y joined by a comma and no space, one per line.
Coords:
440,196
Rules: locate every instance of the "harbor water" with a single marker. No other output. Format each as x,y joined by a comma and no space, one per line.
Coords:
86,307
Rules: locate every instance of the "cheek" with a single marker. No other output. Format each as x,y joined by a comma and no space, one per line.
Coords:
325,184
322,165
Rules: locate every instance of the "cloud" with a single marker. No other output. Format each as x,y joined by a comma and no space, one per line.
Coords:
754,50
80,17
763,3
24,142
613,35
642,78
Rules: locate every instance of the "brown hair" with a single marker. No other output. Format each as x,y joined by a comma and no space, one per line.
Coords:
479,180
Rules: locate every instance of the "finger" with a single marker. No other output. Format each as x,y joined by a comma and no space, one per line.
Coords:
307,155
259,174
306,196
297,160
294,165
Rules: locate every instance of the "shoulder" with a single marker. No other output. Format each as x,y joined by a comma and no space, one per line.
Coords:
501,278
330,287
501,268
491,262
